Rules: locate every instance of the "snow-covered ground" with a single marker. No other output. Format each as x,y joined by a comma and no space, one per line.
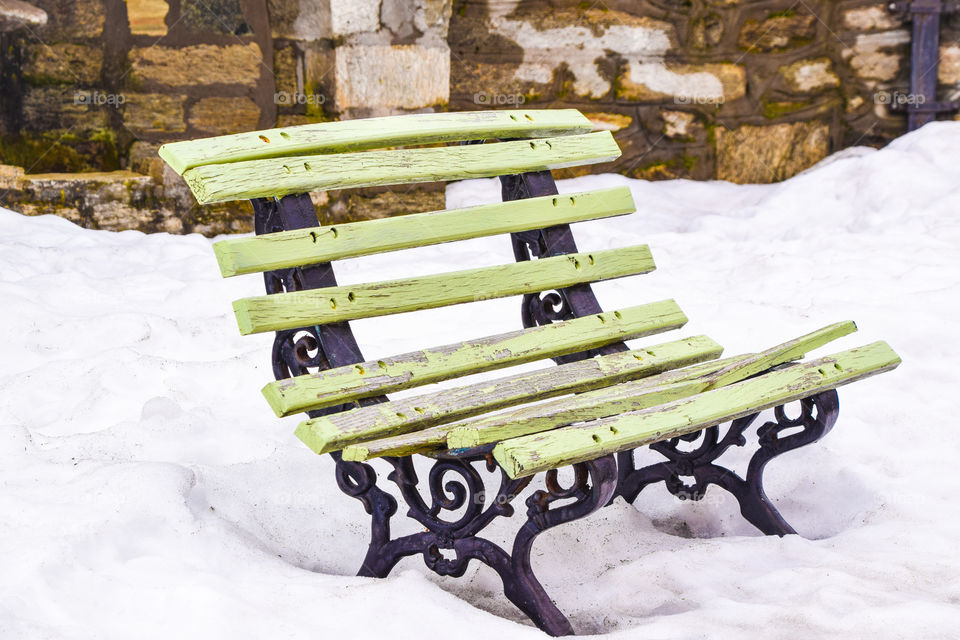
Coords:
148,491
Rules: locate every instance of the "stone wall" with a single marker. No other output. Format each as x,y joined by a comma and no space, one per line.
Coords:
740,90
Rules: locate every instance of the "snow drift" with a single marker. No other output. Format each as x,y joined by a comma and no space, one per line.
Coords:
149,492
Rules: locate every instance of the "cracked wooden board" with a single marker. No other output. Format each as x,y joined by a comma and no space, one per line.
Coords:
350,302
336,431
372,133
636,395
371,378
530,454
300,247
276,177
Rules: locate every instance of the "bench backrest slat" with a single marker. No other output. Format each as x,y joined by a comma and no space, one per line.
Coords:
324,244
349,302
372,133
275,177
372,378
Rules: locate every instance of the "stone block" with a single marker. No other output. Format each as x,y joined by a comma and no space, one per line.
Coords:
810,75
433,16
874,17
948,71
878,56
778,32
62,63
770,153
711,83
71,19
314,20
581,41
151,113
680,125
214,16
608,121
143,159
707,31
356,16
147,17
283,15
218,116
197,65
60,108
384,77
351,206
10,177
473,82
285,63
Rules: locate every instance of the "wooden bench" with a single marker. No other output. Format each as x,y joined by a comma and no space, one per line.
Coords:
605,399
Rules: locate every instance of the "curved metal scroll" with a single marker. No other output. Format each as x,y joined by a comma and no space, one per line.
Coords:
549,306
456,507
818,413
459,508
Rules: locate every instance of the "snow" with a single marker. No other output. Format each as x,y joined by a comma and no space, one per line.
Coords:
148,491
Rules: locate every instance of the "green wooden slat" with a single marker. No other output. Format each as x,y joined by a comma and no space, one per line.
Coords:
324,244
275,177
656,390
333,432
781,353
632,396
343,384
371,133
530,454
349,302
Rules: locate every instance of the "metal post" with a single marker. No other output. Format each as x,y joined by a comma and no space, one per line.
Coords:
921,105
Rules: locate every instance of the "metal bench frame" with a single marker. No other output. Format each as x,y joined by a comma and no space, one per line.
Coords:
455,482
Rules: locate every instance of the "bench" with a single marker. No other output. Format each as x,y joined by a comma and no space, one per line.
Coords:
589,413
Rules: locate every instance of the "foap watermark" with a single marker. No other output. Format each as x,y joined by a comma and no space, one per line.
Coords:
486,99
98,98
699,99
287,99
898,98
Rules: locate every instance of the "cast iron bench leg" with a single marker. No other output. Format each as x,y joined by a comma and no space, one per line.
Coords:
448,545
818,415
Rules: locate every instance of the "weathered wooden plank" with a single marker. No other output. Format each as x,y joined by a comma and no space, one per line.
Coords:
349,302
530,454
275,177
324,244
636,395
333,432
406,371
785,352
371,133
444,436
406,444
592,405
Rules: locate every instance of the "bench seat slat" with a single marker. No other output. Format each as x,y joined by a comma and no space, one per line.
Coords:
371,133
300,247
646,392
343,384
530,454
333,432
350,302
631,396
275,177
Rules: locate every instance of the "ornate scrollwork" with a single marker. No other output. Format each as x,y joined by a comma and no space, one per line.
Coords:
817,416
457,506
